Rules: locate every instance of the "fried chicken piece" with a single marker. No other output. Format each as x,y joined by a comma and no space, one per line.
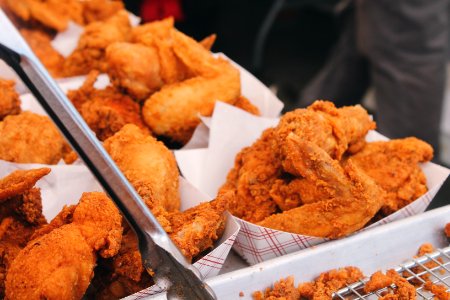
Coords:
173,111
282,289
439,290
9,99
60,264
134,68
263,179
30,138
447,230
329,282
106,111
256,169
90,53
53,14
195,229
100,10
40,43
140,157
394,166
20,215
354,200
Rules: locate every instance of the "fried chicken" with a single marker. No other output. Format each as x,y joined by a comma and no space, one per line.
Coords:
447,230
263,180
173,111
134,68
140,156
394,166
20,215
9,99
91,50
439,290
107,110
195,229
60,264
353,198
31,138
40,42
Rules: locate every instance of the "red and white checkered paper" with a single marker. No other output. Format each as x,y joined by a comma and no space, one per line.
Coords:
207,169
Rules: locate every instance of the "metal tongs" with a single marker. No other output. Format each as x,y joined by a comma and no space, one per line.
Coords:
160,256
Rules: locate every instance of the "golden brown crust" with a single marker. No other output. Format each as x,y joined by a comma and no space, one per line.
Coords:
9,99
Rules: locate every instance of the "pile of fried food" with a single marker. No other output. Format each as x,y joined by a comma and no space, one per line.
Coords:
392,284
314,174
88,249
162,80
96,247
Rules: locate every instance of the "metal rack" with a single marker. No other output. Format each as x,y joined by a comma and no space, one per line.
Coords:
439,273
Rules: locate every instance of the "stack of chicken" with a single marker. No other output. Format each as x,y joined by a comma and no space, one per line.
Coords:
314,174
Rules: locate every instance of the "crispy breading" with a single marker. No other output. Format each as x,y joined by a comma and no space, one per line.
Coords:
60,264
30,138
394,165
354,197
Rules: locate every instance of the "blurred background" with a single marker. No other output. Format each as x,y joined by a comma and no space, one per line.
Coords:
287,43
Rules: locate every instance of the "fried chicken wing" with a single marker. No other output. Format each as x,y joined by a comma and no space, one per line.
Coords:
355,197
60,264
195,229
173,111
140,157
9,99
107,110
30,138
394,166
91,50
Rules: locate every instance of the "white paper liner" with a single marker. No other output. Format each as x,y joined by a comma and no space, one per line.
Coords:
231,130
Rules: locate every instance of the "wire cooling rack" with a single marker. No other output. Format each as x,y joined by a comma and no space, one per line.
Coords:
434,266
